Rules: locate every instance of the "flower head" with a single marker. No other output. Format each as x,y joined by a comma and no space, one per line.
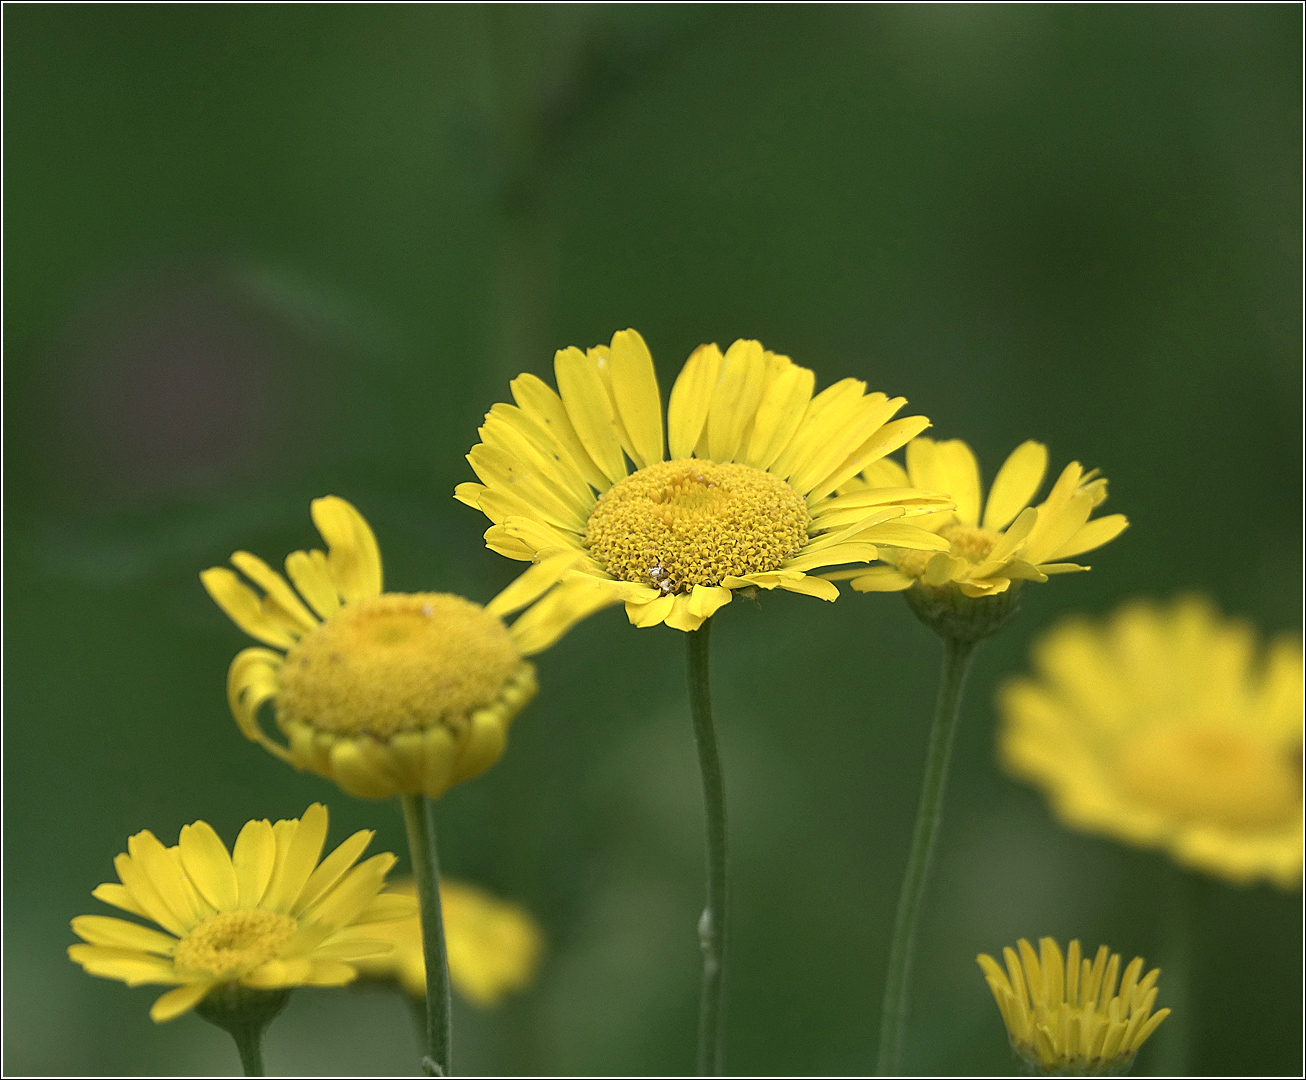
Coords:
268,916
746,499
386,693
1066,1016
1010,540
493,946
1163,728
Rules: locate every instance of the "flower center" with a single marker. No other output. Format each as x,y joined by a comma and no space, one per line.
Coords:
683,523
967,542
233,943
397,662
1212,774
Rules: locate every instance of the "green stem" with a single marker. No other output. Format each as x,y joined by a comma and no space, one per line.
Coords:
249,1043
712,924
426,871
893,1017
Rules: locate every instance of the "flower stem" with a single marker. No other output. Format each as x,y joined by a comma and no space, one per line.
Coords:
249,1043
712,924
893,1017
426,871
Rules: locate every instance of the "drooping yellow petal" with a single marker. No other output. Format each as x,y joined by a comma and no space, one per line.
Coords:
178,1002
680,617
706,600
252,680
691,398
567,604
534,583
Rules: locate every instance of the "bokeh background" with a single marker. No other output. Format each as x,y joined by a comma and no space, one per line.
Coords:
258,254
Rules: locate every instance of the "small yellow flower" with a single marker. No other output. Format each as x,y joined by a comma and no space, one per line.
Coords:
1163,728
386,693
493,947
746,500
268,916
1066,1017
1011,541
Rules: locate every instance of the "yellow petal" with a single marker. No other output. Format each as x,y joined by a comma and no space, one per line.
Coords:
1015,485
120,897
509,428
653,613
1092,535
252,680
779,415
154,862
332,869
811,586
883,441
635,391
301,856
543,406
706,600
829,410
590,410
177,1002
961,470
208,865
833,556
534,583
568,603
311,574
242,606
121,934
680,617
253,859
691,397
276,588
126,965
499,469
352,554
838,456
735,399
278,974
882,579
339,907
484,744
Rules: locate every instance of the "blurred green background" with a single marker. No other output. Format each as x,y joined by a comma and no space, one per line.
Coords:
258,254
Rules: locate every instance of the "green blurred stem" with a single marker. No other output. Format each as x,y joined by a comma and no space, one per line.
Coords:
712,924
249,1042
426,871
893,1017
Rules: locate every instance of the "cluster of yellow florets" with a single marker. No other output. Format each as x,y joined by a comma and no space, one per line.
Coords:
678,524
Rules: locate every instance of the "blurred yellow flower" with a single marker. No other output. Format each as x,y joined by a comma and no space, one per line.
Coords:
746,500
494,947
386,693
1011,541
1163,728
268,916
1065,1017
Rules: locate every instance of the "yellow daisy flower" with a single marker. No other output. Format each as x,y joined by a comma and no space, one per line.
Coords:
1163,728
1011,541
386,693
746,499
1066,1016
493,947
268,916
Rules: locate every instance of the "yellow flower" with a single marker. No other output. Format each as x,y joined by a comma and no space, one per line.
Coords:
268,916
1161,728
493,947
747,499
1012,541
1066,1017
386,693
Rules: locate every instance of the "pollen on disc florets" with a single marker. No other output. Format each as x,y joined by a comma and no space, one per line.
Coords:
683,523
233,943
397,662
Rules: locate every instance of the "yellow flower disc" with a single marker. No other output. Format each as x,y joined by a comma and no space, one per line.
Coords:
234,943
678,524
1205,773
397,662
